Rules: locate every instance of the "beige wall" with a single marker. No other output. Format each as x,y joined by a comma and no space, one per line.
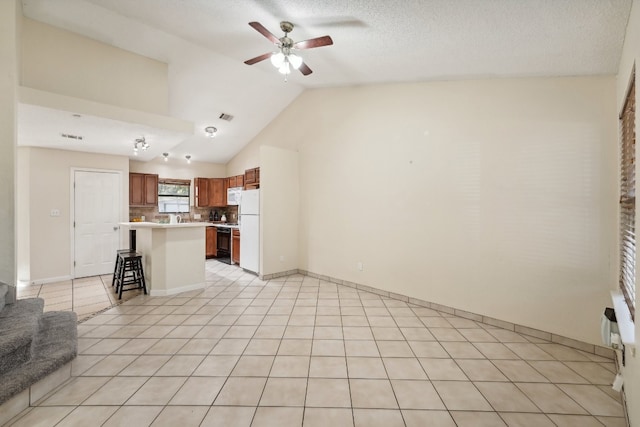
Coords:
62,62
179,169
496,197
45,256
630,55
10,21
50,188
248,158
23,208
279,201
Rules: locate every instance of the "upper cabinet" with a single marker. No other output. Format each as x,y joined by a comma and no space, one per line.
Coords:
235,181
143,189
210,192
217,192
252,178
201,188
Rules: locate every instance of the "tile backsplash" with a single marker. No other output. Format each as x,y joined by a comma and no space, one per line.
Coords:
151,214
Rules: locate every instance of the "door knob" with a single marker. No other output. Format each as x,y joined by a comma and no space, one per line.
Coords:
115,228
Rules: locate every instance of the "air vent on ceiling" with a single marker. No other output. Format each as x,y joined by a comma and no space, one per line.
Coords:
227,117
70,136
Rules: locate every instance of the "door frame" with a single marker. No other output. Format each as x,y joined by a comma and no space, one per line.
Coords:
72,210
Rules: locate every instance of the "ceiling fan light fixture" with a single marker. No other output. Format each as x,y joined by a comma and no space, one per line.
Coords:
277,59
188,157
284,68
295,60
283,59
165,156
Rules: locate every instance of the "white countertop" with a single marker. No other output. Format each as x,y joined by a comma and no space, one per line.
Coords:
158,225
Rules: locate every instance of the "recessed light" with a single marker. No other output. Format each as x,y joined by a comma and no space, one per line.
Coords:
210,131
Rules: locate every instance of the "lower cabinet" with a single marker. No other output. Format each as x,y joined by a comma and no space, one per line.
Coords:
235,247
211,242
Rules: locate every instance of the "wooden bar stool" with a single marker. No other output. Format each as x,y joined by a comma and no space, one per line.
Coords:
130,273
116,268
132,248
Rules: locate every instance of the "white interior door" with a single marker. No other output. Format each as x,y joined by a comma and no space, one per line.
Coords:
97,202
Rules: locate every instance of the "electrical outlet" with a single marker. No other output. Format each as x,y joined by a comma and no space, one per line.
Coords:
55,212
197,216
281,258
360,266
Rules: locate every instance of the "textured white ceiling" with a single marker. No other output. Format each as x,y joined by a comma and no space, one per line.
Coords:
206,41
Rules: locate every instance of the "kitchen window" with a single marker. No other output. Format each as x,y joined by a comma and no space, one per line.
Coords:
628,198
173,195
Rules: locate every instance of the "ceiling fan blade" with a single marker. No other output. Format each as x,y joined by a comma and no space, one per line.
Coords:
311,43
258,58
304,69
262,30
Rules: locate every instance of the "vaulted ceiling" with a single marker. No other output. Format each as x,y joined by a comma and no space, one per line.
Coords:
375,41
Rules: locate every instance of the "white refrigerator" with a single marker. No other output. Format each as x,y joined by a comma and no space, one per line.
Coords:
250,230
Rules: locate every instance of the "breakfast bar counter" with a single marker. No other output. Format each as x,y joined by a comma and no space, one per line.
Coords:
172,255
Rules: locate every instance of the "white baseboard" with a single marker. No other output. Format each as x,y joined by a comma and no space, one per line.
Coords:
176,290
51,280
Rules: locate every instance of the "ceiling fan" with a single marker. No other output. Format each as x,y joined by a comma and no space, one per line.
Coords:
286,58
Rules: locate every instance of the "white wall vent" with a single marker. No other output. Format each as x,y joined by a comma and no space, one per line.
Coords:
70,136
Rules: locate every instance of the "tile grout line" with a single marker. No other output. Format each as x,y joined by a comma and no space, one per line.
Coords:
240,287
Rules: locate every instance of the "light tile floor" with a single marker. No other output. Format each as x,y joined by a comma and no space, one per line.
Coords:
298,351
85,296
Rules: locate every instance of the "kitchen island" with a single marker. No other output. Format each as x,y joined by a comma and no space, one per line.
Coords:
172,255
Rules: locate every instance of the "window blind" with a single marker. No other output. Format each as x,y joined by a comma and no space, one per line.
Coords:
173,195
628,198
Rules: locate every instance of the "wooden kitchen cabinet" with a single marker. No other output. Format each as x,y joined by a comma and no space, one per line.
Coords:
151,190
210,192
235,181
235,246
201,188
211,242
252,178
143,189
217,192
231,182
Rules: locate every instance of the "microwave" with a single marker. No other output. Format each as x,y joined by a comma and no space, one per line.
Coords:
233,196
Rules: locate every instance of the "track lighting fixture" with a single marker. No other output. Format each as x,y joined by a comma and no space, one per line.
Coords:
140,144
